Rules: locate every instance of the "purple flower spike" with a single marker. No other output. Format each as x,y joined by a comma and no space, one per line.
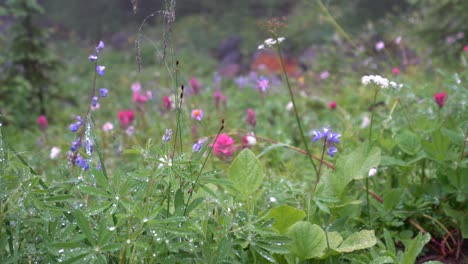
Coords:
333,137
103,92
94,101
317,135
83,163
331,151
75,145
74,127
100,69
100,46
93,57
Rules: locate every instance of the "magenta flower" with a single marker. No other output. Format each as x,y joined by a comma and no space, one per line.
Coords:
195,85
42,122
223,147
167,103
262,84
197,114
332,105
395,71
439,98
126,118
251,118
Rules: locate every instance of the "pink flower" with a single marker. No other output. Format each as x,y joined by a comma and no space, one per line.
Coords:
167,103
139,98
197,114
395,71
379,46
324,75
195,85
126,118
439,98
465,48
108,126
136,87
219,97
42,122
251,118
332,105
249,140
224,146
262,84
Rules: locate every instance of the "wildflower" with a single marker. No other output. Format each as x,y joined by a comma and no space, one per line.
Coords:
126,117
271,42
130,130
75,126
108,126
379,46
395,71
398,40
216,79
81,162
219,97
251,118
289,106
167,135
324,75
75,145
379,81
439,98
139,98
249,140
197,114
224,146
103,92
465,48
95,107
372,171
165,161
195,85
365,122
167,103
199,144
136,87
100,69
100,46
262,84
54,152
241,81
93,57
332,105
94,101
330,139
42,122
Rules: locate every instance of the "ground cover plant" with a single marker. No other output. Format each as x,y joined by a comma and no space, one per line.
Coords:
157,155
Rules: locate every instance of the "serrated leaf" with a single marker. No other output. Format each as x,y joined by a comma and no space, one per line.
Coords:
357,241
83,224
285,216
308,240
408,142
246,174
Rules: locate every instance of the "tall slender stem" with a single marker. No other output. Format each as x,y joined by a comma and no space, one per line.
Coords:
370,142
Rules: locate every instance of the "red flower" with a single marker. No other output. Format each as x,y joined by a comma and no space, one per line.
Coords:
251,118
167,103
395,71
439,98
42,122
332,105
465,48
126,117
224,146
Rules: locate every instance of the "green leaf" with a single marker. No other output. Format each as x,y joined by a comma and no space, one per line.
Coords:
408,142
382,260
308,240
357,241
83,224
94,191
414,247
355,165
246,174
285,216
437,147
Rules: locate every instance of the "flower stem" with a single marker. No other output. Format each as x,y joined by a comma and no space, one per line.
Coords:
370,141
283,67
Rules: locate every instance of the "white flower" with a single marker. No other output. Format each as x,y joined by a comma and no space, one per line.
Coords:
54,152
398,40
251,140
372,172
378,80
379,45
165,161
289,106
260,47
281,39
269,42
365,122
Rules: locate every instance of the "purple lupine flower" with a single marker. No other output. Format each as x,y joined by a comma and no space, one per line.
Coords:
167,135
241,81
103,92
94,101
75,145
100,69
330,139
74,127
100,46
83,163
331,151
199,144
93,57
333,137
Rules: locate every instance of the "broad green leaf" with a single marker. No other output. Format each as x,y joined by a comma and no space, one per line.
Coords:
437,147
83,224
382,260
308,240
246,174
334,239
224,248
285,216
355,165
408,142
414,247
357,241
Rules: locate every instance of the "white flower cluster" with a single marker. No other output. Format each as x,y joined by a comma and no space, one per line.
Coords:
271,42
379,81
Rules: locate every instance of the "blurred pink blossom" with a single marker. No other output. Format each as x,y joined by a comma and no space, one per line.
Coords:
224,146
